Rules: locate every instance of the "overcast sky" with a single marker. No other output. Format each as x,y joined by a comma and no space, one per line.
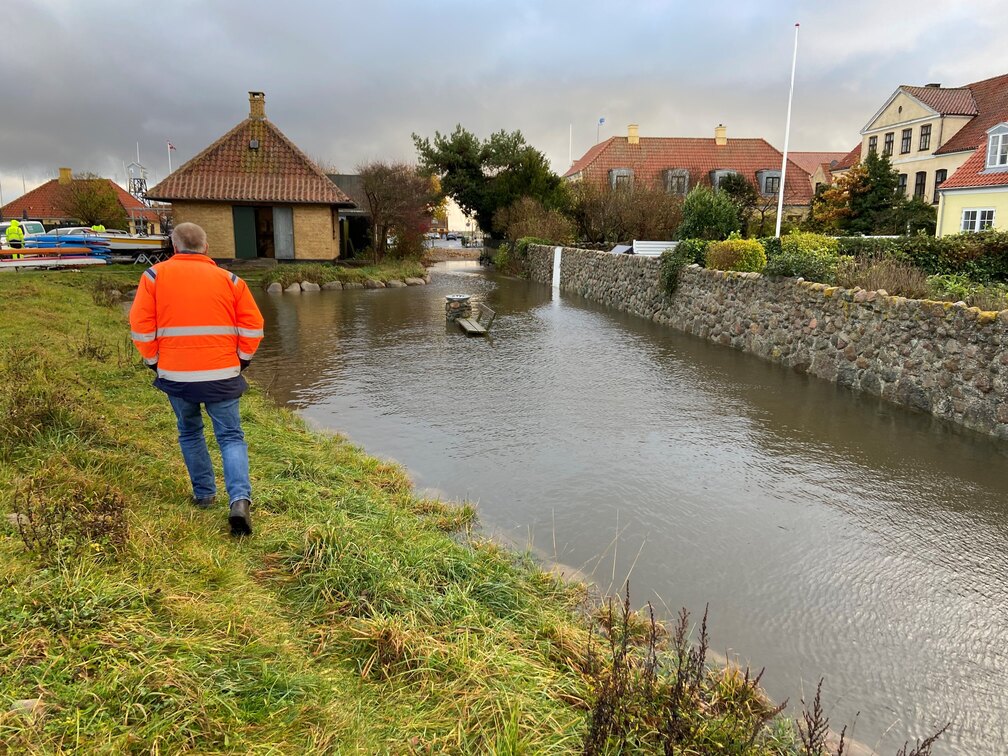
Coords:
350,81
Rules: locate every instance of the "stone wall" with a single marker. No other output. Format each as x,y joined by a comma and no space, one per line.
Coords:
938,357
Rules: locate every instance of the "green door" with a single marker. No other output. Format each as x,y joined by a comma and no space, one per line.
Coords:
244,232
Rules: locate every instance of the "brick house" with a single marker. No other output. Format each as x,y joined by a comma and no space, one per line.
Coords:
929,131
257,195
51,204
975,197
677,164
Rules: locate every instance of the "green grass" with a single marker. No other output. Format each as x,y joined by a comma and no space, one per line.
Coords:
360,618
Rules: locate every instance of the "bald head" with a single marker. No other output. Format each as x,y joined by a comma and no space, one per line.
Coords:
188,237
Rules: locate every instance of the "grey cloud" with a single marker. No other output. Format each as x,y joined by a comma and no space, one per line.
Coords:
351,82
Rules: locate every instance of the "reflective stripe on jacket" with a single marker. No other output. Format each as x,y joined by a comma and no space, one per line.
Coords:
195,321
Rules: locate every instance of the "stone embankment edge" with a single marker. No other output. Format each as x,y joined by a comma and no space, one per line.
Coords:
371,283
939,357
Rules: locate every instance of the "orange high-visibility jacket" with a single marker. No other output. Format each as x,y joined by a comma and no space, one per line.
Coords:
194,320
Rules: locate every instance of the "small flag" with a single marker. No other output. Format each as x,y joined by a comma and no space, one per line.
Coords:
601,120
171,146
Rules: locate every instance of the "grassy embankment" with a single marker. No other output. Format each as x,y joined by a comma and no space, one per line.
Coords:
358,618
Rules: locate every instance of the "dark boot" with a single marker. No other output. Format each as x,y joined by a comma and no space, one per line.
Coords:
239,518
205,503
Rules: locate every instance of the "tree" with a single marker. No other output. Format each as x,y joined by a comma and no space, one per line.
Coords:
916,215
707,215
92,201
743,196
865,200
484,176
400,200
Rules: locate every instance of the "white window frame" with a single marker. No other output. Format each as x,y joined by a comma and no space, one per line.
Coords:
975,223
997,148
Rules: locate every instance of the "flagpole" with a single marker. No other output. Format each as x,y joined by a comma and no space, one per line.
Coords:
169,156
787,136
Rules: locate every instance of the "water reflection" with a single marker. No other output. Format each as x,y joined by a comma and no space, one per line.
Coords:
832,534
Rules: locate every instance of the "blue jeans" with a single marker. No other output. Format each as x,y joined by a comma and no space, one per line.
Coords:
230,438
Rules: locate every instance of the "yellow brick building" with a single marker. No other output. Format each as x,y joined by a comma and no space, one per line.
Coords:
257,195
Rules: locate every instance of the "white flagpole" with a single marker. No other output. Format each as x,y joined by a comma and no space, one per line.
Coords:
787,136
169,156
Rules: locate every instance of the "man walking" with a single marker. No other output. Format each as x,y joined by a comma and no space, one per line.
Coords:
198,326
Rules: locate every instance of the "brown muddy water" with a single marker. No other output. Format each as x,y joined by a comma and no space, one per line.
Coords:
832,534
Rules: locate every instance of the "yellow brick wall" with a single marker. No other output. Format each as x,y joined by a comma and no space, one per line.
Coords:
316,233
216,220
315,237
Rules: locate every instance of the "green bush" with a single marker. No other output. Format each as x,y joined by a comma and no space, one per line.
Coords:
694,249
957,287
805,255
771,246
672,262
736,254
707,215
803,242
981,257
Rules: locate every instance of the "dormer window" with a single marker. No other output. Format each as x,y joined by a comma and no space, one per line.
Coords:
997,147
717,176
677,181
768,181
620,177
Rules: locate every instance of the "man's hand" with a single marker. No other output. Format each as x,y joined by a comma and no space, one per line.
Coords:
244,364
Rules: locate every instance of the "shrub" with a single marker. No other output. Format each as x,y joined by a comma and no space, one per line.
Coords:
805,255
895,276
603,214
672,263
736,254
694,249
708,215
771,246
982,257
526,217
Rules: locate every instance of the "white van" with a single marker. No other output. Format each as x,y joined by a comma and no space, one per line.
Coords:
28,226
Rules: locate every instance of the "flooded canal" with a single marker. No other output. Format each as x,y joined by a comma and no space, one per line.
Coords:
832,534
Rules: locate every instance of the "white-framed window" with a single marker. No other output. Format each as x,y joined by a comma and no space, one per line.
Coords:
997,150
977,219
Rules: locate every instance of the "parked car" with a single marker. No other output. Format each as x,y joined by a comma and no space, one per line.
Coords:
29,227
451,236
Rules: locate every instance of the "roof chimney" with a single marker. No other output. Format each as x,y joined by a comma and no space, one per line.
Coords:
65,175
720,135
257,106
934,85
632,134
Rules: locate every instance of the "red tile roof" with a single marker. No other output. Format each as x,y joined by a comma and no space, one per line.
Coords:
851,159
229,170
991,97
809,161
49,201
945,100
973,173
699,155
